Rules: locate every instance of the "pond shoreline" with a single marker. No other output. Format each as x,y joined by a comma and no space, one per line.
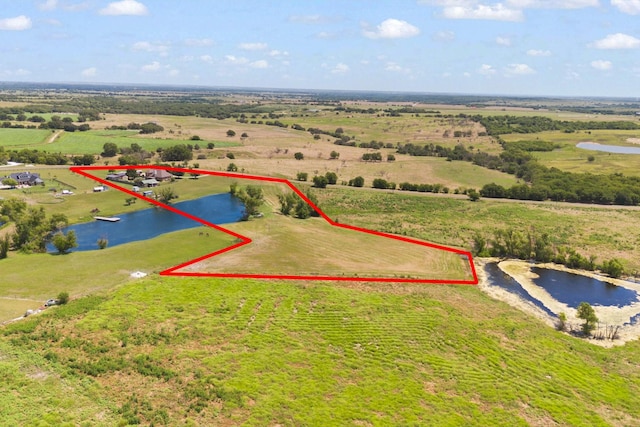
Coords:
520,271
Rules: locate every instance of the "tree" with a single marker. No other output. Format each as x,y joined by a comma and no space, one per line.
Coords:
231,133
232,167
287,202
358,181
64,243
613,268
109,149
302,176
252,198
4,247
332,178
102,242
131,174
195,138
586,313
298,156
166,194
150,128
230,156
391,158
176,153
474,196
320,181
334,155
211,145
244,135
562,321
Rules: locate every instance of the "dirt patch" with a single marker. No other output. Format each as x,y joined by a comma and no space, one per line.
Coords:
633,140
521,272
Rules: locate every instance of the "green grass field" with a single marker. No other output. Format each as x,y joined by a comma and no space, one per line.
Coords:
14,139
90,142
228,352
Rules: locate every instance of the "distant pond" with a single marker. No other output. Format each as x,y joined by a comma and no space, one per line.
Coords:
152,222
618,149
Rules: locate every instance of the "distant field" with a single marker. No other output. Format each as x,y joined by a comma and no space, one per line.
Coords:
573,159
13,139
90,142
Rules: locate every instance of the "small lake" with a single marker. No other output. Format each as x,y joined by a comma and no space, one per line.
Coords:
568,288
572,289
149,223
499,278
618,149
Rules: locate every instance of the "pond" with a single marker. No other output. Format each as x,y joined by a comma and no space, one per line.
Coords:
497,277
618,149
572,289
567,288
152,222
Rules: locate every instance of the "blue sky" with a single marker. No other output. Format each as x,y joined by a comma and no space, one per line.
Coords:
512,47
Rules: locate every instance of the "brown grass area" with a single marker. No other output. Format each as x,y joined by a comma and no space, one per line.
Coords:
288,246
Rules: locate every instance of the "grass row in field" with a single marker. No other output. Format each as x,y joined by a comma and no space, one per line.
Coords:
265,353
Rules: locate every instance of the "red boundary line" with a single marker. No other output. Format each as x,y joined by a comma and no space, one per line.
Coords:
245,240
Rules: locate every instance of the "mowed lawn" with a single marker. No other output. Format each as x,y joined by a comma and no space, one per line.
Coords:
199,351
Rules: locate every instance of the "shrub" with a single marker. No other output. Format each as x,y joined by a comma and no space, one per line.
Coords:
63,298
302,176
298,156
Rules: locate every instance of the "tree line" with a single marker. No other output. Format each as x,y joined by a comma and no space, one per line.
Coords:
531,245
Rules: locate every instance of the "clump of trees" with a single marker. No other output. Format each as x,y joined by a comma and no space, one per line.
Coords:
176,153
252,198
292,204
358,181
530,245
64,242
33,229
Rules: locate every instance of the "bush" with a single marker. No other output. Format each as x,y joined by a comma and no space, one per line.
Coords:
358,181
302,176
331,177
232,167
231,133
298,156
63,298
320,181
230,156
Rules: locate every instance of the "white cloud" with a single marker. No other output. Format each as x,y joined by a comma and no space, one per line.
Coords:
617,41
232,59
125,7
48,5
153,67
396,68
89,72
519,69
495,12
206,58
199,42
536,52
444,36
486,70
392,29
340,69
173,72
552,4
503,41
145,46
19,23
22,72
278,53
602,65
252,46
631,7
259,64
